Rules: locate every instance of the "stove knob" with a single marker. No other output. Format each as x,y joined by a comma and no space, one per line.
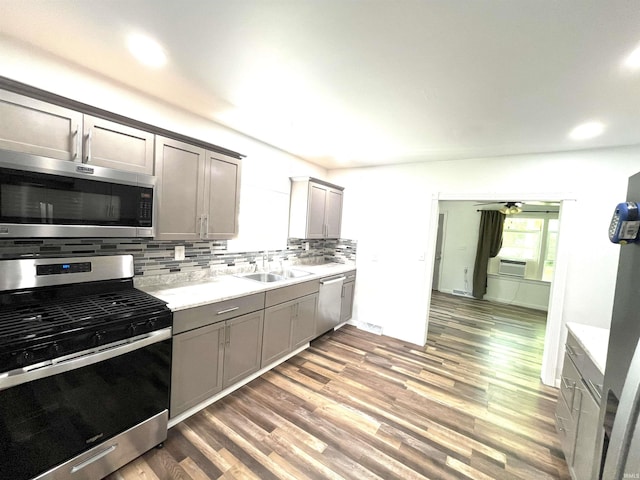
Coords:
133,329
55,350
151,323
24,358
97,339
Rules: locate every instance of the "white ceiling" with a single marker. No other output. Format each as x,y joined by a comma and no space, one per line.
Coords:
349,83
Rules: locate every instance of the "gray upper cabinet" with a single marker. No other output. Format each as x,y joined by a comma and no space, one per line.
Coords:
222,194
315,210
39,128
112,145
180,188
198,192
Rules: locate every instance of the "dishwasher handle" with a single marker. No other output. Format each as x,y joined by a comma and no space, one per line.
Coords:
332,280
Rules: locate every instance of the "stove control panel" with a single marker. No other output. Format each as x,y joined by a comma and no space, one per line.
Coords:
63,268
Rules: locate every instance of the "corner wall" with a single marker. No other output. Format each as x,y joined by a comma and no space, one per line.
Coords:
398,204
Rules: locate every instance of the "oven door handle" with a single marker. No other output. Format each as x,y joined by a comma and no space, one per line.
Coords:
81,359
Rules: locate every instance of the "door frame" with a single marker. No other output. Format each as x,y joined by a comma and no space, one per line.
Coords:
444,239
554,333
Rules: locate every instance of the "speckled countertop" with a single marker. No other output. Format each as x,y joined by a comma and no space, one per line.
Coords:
181,295
594,341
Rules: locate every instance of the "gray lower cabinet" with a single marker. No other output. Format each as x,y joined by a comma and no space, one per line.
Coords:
586,435
214,346
348,290
243,347
196,366
304,324
287,326
578,410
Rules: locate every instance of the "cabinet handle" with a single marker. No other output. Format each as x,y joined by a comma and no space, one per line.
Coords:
597,389
201,226
342,294
75,142
566,383
233,309
560,424
228,335
206,226
89,140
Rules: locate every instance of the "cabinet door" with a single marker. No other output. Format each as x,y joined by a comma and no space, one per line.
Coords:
39,128
180,190
333,213
112,145
586,435
223,196
346,309
304,321
196,366
315,211
276,338
243,347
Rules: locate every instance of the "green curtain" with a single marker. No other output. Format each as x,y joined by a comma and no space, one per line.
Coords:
489,243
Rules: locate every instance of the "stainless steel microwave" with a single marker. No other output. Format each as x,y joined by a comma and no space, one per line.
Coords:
45,197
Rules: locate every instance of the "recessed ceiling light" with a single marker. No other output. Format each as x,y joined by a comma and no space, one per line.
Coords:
633,60
586,131
146,50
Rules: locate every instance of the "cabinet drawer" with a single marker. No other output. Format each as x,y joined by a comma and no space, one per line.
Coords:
216,312
284,294
575,351
350,276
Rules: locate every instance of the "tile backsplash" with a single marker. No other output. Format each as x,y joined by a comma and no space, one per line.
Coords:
156,257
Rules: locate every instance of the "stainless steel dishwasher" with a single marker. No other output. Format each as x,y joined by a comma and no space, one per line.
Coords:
329,303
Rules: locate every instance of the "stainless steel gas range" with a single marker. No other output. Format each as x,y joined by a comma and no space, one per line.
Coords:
85,361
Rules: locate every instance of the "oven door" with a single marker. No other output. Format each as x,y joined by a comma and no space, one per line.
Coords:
51,414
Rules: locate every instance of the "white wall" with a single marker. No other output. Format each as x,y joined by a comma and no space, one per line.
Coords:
399,219
460,241
264,203
518,291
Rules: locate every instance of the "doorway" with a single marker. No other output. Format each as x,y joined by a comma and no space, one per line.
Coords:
437,260
553,334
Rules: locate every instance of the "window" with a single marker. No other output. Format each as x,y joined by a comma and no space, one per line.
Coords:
532,238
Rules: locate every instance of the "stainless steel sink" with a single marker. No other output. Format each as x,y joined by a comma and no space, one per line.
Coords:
293,273
263,277
275,276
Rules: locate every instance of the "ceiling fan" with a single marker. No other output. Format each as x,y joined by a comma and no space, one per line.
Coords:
508,207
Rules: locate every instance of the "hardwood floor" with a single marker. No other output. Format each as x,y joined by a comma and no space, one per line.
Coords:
356,405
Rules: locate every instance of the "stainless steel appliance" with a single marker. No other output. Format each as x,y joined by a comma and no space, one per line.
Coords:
44,197
85,361
620,410
329,303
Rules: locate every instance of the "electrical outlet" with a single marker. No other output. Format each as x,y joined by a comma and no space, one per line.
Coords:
179,252
306,246
466,270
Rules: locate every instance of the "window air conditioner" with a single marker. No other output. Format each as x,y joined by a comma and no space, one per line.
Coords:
514,268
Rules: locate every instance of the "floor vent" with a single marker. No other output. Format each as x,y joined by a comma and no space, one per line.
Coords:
370,327
462,293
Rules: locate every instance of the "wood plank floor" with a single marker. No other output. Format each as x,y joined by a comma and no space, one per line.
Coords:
356,405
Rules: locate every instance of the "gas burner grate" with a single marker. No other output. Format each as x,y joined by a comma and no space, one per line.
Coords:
22,322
